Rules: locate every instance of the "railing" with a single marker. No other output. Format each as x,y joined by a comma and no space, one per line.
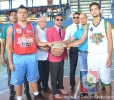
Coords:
107,13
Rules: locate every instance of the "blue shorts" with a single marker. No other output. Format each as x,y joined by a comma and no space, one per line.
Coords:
24,65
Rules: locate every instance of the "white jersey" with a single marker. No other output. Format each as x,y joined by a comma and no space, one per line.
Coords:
97,38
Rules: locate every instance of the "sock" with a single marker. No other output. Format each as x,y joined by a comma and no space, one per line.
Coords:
19,97
35,93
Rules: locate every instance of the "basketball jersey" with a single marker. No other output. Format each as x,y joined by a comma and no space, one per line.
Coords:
23,39
97,38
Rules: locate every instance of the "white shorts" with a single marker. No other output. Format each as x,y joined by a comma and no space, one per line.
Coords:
98,61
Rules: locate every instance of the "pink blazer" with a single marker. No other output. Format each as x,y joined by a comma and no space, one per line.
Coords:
53,35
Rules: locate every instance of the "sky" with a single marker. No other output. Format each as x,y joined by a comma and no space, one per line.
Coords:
16,3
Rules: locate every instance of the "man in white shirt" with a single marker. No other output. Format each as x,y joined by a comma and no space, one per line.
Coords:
43,64
73,52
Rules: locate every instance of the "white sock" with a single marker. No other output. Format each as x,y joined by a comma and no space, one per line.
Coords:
35,93
19,97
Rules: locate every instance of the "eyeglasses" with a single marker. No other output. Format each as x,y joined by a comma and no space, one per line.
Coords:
75,17
59,19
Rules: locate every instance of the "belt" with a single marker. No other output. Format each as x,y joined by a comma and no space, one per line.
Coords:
82,51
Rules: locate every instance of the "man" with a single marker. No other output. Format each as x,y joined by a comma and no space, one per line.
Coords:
73,52
43,63
56,63
100,46
13,19
82,54
22,41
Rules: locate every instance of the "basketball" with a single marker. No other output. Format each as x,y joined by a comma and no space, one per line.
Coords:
57,49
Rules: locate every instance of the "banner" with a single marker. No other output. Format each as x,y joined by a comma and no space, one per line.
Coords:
50,2
89,81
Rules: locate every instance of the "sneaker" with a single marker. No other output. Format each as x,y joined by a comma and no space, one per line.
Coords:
39,97
28,96
12,97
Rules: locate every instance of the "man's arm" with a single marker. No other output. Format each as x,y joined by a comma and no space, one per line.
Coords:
38,42
3,45
110,44
78,42
69,40
9,44
9,48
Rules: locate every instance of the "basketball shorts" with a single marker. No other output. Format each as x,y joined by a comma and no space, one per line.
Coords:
24,65
98,62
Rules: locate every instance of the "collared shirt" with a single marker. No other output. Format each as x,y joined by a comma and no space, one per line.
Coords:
42,55
58,29
77,35
71,30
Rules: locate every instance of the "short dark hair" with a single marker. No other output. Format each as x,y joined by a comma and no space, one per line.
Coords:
58,15
76,13
22,7
12,10
94,3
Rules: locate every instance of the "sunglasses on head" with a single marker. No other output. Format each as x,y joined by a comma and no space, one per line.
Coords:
75,17
59,19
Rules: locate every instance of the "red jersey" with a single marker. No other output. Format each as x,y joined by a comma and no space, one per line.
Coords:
23,39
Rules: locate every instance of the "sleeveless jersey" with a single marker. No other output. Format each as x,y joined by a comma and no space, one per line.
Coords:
23,39
97,38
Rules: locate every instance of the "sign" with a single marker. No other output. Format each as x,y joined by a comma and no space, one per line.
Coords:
89,81
49,2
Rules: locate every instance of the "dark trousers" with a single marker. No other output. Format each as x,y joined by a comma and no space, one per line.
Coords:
56,73
11,87
43,67
73,56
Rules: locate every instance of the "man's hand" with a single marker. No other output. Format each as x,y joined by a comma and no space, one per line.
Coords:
66,57
64,45
68,46
12,67
46,48
3,62
50,44
109,62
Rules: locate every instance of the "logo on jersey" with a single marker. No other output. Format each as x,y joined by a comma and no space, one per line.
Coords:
91,29
18,30
25,40
28,31
96,38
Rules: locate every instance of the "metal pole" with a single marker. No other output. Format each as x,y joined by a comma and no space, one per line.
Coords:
79,10
26,3
67,2
10,4
59,3
100,6
100,2
32,3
